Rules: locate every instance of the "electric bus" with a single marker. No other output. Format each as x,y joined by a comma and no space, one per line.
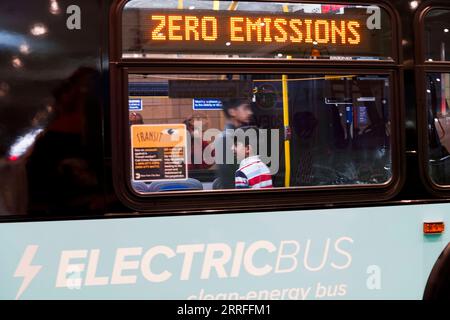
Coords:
226,150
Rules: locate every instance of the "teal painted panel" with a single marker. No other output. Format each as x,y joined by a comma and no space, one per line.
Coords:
362,253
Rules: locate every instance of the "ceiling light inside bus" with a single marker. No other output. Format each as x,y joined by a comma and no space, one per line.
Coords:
414,4
38,29
54,7
446,30
24,48
17,63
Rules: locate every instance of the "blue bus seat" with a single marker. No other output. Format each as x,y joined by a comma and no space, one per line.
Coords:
179,185
217,184
140,186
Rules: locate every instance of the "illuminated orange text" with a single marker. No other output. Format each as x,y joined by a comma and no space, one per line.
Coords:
255,30
180,28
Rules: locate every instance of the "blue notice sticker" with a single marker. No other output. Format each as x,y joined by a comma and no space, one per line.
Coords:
135,104
349,114
363,117
207,104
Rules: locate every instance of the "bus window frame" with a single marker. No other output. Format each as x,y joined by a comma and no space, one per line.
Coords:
250,200
422,67
419,23
336,193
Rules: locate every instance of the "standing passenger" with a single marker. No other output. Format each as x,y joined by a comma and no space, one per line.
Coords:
238,113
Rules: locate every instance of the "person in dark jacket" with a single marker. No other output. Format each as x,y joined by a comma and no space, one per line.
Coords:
238,113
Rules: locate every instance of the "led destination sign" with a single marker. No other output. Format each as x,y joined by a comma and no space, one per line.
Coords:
259,34
254,29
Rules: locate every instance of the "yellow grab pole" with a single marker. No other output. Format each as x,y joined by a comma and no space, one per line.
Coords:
216,4
287,143
180,4
287,128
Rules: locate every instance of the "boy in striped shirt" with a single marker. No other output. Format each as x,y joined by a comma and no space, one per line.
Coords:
252,172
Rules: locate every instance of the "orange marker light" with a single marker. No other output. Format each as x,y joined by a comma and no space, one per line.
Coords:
433,227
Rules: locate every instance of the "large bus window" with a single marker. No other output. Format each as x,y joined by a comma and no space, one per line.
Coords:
438,98
238,29
437,35
256,131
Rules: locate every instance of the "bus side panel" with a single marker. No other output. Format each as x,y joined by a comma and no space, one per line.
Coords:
362,253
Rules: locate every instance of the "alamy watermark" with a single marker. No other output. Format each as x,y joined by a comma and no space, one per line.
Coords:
222,148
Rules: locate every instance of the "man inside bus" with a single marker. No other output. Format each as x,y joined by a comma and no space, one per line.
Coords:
238,113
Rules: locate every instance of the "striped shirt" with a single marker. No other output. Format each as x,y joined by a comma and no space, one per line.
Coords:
253,173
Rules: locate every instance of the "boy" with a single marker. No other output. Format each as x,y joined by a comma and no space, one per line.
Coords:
252,172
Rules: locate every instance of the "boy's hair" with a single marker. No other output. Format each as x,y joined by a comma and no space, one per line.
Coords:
233,103
248,132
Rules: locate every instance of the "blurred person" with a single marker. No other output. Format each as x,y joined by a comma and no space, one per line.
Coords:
135,118
64,167
238,113
194,125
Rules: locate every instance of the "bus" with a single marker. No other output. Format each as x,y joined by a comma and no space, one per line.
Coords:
224,150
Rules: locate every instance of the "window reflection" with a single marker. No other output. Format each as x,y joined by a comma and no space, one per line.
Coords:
437,35
438,97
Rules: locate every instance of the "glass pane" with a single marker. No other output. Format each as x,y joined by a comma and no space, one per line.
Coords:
213,132
438,97
235,29
437,35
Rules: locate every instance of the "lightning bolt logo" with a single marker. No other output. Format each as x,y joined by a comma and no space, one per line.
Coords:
26,270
